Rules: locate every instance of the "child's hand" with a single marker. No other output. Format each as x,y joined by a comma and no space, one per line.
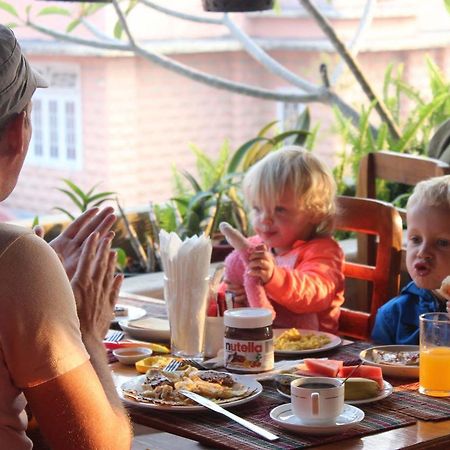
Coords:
261,263
239,294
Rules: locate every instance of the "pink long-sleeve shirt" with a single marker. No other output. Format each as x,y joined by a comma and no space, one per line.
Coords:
307,286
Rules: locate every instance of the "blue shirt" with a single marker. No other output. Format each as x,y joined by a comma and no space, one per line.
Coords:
397,321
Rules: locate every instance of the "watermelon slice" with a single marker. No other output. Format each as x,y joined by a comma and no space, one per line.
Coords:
324,367
370,372
302,370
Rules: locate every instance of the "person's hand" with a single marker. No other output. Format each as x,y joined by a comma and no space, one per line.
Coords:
448,306
68,245
95,285
238,293
261,263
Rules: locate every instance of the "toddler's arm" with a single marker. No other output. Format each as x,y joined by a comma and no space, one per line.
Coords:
315,281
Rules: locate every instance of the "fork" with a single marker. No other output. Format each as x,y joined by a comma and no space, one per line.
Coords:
173,365
194,363
114,336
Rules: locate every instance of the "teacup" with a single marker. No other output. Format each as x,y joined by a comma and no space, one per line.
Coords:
317,400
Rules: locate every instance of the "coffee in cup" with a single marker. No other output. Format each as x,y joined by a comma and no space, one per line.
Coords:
317,400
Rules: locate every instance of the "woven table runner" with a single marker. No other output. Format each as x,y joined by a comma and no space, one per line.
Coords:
403,407
400,409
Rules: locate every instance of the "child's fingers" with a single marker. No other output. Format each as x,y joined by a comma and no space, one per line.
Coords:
259,264
235,288
240,301
259,255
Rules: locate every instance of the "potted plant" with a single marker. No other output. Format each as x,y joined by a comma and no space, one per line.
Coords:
201,202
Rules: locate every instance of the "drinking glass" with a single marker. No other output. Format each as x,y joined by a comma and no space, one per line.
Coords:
186,308
434,362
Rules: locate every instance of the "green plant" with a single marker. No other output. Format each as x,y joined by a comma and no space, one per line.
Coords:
85,200
82,200
415,115
201,203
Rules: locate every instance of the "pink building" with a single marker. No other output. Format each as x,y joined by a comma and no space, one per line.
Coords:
116,119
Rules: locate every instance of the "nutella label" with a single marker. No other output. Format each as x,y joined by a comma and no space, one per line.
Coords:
249,356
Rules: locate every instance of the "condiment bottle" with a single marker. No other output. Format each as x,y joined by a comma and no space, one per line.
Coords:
248,341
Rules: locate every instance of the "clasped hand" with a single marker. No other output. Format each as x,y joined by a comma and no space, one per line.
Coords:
84,249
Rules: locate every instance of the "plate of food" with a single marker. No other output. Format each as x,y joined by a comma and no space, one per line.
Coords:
358,391
147,328
400,361
126,312
159,390
294,341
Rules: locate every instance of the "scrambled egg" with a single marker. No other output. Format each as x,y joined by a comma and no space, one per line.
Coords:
292,340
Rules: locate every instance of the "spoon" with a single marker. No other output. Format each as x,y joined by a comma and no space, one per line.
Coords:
352,372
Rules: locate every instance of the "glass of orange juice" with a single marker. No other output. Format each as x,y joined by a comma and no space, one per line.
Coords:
434,362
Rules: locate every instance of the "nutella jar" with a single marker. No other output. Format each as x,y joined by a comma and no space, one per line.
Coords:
248,342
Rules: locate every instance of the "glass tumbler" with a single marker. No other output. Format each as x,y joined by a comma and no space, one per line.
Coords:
434,362
186,308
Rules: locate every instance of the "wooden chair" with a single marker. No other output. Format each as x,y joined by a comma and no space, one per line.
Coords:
377,218
394,167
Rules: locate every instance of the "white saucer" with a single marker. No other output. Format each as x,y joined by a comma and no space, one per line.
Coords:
284,417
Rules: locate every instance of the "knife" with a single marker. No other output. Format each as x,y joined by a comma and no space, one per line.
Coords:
217,408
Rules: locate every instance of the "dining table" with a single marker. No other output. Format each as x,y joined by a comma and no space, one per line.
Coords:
404,419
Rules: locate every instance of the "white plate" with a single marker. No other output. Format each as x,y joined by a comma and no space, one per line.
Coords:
394,370
133,313
155,329
284,417
137,382
387,390
334,342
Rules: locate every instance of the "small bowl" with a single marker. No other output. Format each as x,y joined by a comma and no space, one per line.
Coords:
130,355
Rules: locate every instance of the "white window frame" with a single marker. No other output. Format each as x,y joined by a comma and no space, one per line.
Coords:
282,109
60,95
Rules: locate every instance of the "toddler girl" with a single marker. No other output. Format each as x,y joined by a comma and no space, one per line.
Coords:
292,199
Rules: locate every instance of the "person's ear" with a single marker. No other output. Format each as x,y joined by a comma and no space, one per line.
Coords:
15,134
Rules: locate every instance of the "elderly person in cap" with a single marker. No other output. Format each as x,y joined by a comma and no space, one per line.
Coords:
51,330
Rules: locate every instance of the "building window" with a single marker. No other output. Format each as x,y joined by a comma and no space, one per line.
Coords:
288,113
56,118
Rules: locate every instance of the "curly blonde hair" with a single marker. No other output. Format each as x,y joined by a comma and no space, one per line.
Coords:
293,168
432,192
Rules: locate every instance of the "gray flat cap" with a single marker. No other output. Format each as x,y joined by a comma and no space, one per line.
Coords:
18,80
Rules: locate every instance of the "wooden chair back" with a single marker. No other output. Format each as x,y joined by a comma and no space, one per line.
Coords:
375,218
394,167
